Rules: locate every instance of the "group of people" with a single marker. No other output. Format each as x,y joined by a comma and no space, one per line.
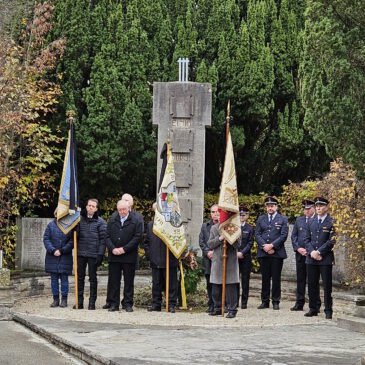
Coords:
312,239
121,235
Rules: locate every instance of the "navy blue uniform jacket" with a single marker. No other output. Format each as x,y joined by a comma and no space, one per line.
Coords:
321,239
275,232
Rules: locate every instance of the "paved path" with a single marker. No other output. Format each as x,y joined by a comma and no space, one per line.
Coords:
318,343
19,346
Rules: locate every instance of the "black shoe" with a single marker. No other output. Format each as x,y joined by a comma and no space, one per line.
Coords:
128,309
91,306
263,306
231,315
311,314
81,306
113,309
154,309
328,315
243,306
55,303
215,313
172,309
275,306
63,303
209,309
106,306
296,308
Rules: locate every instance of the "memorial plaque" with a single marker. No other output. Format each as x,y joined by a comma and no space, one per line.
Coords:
182,106
182,140
184,174
185,206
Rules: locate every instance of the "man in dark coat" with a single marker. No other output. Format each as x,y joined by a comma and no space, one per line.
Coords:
90,250
155,250
271,233
320,258
244,255
207,252
129,199
124,232
298,241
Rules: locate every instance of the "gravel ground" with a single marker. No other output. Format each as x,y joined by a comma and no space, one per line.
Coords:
252,317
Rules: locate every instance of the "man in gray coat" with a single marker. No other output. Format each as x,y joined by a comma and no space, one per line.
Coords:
216,274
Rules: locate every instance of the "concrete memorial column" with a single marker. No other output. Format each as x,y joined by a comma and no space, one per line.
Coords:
184,109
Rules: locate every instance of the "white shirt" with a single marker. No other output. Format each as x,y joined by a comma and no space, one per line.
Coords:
272,215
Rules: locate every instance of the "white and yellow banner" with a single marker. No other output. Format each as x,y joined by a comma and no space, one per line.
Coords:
229,220
167,222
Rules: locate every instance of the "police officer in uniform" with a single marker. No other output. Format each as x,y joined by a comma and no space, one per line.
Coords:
207,252
320,258
298,239
271,233
244,255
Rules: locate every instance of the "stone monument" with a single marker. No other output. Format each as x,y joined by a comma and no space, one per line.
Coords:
30,251
183,109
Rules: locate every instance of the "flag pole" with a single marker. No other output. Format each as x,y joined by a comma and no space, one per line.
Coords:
224,241
71,115
167,278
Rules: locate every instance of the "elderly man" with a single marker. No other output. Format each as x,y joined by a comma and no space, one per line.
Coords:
216,275
90,250
207,251
320,258
129,199
124,233
271,233
298,241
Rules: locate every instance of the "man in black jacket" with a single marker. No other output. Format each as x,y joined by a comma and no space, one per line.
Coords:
124,232
244,255
298,238
155,250
208,252
90,250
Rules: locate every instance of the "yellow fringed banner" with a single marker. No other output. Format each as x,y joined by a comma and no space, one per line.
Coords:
183,294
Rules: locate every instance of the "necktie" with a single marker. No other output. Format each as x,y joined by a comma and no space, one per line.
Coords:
319,222
270,220
306,219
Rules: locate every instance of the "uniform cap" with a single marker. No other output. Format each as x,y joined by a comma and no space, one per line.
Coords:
271,200
243,209
306,203
320,200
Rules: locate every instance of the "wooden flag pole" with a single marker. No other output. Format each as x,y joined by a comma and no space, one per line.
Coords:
75,271
167,278
224,241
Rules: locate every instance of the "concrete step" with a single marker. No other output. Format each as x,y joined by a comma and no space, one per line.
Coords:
351,323
359,311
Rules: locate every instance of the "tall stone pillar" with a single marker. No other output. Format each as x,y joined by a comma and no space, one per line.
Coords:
184,109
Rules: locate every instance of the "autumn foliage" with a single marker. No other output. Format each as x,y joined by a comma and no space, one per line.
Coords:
28,147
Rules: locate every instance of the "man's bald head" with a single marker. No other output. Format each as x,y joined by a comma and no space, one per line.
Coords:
129,199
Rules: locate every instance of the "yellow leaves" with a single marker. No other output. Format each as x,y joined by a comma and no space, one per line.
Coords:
3,182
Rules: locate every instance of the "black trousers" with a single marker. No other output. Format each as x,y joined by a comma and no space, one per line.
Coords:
209,291
159,285
116,270
90,262
231,297
301,279
314,272
245,266
271,272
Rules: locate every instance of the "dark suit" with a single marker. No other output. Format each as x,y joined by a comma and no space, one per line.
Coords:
321,238
207,263
245,264
276,233
155,250
298,239
127,236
